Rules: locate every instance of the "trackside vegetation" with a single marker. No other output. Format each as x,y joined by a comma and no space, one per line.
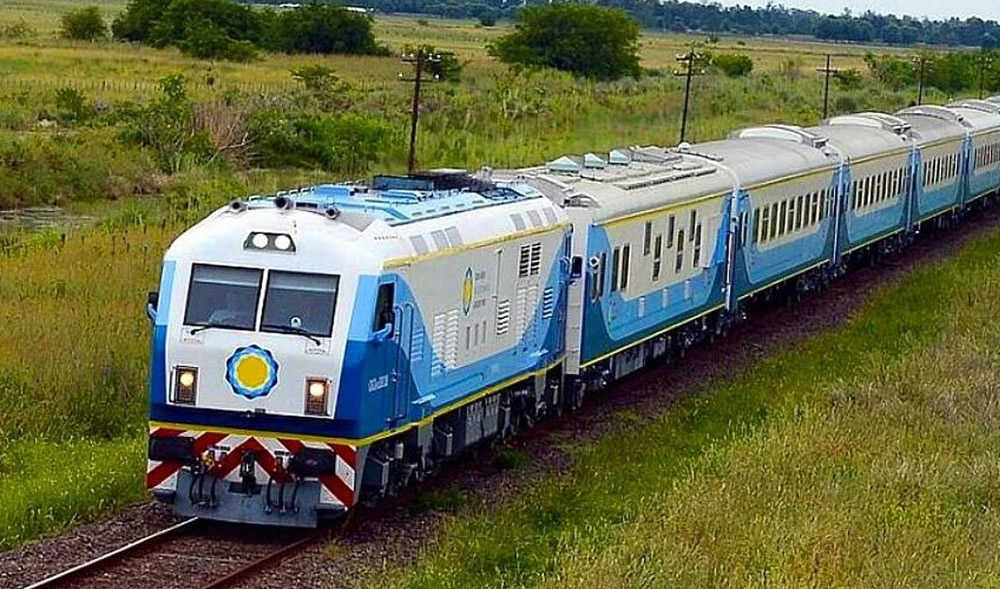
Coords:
863,457
147,140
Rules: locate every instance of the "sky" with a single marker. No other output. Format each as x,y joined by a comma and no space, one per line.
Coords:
936,9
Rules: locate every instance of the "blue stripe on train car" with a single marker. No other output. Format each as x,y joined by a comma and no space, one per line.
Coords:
614,322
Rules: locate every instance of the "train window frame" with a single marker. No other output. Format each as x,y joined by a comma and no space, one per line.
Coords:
616,256
679,262
765,224
774,220
647,238
782,217
671,227
696,255
216,324
268,294
386,291
756,225
657,256
626,266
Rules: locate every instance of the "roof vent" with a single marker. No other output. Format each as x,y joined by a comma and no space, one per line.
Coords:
593,161
619,157
791,133
875,120
564,165
978,105
936,112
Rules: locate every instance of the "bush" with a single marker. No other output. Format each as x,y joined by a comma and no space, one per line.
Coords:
848,79
733,65
18,30
72,105
210,42
588,40
84,24
136,22
488,18
347,143
325,28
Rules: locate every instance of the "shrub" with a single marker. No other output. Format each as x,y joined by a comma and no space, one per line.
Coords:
733,65
18,30
325,28
588,40
136,22
848,79
210,42
488,18
347,143
84,24
72,105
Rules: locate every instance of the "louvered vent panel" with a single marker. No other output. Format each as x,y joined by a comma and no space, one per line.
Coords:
451,340
503,317
417,346
548,303
536,258
524,261
438,337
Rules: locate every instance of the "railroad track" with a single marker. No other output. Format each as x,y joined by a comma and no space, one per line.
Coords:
206,557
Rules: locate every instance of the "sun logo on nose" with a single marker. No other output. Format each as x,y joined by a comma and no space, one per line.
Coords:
468,290
252,372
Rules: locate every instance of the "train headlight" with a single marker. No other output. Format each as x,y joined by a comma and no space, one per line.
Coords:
317,393
283,242
185,384
259,240
270,242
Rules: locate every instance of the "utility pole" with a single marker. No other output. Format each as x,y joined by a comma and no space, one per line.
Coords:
688,59
922,65
419,60
826,85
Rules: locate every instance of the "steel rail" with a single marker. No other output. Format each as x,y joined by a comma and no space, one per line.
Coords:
247,570
119,553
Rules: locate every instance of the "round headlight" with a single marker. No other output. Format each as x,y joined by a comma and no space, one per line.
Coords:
187,379
317,389
282,242
259,241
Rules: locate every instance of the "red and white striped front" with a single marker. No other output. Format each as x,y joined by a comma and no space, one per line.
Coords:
337,490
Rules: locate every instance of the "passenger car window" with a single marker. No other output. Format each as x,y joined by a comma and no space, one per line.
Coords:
222,296
300,302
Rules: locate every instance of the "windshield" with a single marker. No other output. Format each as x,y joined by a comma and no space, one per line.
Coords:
300,302
221,296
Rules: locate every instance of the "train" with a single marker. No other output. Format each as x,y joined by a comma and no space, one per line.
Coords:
319,349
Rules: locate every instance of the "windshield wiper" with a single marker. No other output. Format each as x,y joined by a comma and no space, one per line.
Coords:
202,328
296,331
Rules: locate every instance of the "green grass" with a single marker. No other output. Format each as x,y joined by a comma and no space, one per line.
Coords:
863,457
46,486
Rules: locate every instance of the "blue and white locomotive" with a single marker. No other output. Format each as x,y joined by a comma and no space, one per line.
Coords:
320,348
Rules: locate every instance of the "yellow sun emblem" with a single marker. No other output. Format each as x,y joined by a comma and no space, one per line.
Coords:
467,291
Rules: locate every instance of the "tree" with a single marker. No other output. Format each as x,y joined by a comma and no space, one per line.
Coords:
325,28
445,67
585,39
136,22
84,24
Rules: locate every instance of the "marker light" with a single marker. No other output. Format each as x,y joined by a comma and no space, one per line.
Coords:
185,384
282,242
317,391
260,240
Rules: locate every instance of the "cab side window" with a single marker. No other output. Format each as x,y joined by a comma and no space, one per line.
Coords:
383,306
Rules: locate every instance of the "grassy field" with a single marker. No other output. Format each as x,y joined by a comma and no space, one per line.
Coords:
864,457
74,343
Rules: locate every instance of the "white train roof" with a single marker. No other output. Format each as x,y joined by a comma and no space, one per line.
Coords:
402,219
935,123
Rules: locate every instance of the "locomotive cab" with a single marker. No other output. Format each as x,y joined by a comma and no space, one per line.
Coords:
261,311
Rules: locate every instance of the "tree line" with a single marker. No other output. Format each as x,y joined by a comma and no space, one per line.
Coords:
774,19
